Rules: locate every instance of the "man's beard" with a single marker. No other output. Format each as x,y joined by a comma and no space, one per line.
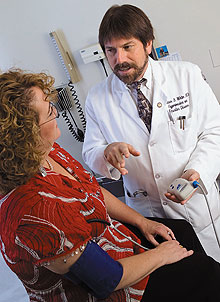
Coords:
128,79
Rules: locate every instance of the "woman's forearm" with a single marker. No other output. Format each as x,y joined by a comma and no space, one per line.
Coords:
137,267
120,211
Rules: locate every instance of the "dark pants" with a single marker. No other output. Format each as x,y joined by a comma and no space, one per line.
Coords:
195,278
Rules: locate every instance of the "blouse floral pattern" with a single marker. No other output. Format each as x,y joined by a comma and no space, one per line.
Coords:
47,218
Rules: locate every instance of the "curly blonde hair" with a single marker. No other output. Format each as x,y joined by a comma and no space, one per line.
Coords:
20,155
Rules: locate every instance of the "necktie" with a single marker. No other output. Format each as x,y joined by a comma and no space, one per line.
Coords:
144,107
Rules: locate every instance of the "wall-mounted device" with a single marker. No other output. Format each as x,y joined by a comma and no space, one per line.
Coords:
65,58
64,98
92,53
64,105
67,94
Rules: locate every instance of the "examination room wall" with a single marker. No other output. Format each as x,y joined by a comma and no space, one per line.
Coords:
189,27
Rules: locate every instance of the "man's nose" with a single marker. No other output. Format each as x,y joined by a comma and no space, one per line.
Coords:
120,56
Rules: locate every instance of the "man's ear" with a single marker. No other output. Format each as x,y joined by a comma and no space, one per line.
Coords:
149,47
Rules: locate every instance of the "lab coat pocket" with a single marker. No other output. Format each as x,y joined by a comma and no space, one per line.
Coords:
182,137
140,204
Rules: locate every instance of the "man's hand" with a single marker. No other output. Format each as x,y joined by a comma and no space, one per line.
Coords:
190,175
116,153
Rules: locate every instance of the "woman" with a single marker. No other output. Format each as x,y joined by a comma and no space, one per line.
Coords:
60,232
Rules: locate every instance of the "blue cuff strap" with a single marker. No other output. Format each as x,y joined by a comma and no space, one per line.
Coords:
97,270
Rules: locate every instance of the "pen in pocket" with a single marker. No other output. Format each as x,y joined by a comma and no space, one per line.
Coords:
182,121
171,117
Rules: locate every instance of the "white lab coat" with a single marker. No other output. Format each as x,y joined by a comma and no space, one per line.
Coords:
168,151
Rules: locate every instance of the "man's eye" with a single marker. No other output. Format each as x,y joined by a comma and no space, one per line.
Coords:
110,50
127,47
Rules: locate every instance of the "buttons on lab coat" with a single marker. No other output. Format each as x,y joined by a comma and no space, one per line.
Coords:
159,105
157,176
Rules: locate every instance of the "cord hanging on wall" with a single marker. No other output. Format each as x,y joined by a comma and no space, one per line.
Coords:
64,95
64,105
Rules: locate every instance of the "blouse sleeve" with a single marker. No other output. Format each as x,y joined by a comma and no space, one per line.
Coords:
52,229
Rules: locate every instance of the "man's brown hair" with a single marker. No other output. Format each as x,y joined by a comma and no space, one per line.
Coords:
125,21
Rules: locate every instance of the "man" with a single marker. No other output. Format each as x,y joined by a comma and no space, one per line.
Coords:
178,135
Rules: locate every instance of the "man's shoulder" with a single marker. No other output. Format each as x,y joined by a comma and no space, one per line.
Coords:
111,81
174,65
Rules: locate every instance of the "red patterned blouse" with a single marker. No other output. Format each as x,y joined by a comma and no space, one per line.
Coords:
46,218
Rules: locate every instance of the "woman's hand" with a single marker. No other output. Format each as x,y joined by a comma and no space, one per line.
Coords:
138,266
150,229
172,251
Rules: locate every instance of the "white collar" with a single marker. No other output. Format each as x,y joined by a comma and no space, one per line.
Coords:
148,75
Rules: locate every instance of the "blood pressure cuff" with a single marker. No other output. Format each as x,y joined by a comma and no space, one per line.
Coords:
97,270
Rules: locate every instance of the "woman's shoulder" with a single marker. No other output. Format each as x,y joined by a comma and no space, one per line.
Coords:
38,201
36,196
62,156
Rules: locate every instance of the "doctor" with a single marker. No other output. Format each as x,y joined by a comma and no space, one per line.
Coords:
183,139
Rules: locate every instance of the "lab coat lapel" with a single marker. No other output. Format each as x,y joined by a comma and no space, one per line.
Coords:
129,107
159,105
126,103
159,95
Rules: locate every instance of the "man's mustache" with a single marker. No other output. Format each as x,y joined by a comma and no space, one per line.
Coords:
123,66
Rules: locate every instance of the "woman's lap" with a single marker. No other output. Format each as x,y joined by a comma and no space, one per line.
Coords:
194,278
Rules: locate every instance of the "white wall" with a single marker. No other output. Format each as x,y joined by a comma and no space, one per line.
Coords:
190,27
